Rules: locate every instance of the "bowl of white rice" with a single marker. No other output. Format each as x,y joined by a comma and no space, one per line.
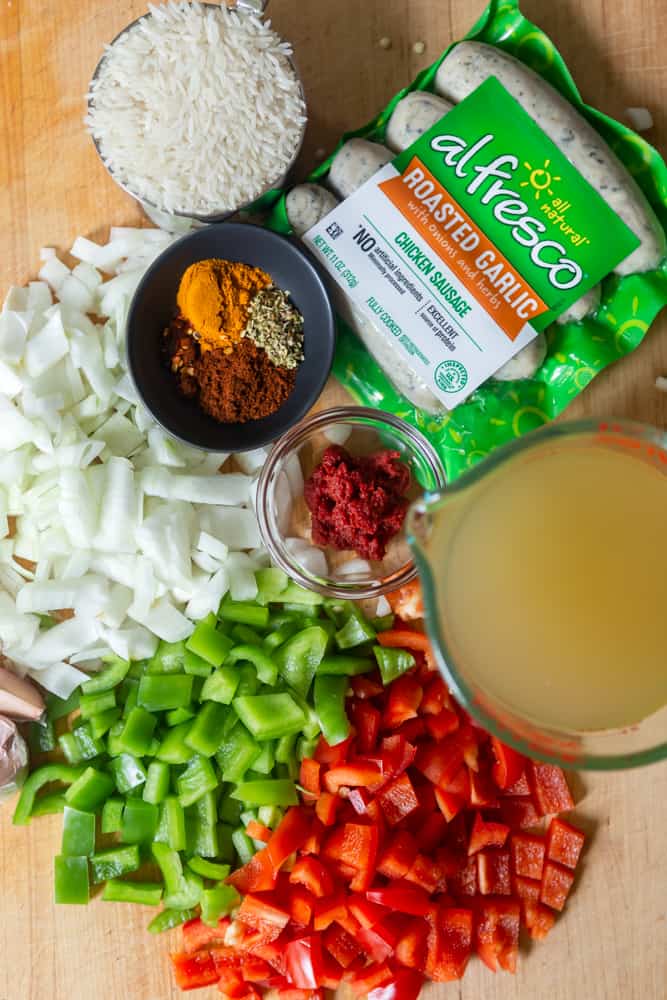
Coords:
197,110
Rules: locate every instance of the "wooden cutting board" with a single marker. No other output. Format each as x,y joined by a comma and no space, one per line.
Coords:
611,944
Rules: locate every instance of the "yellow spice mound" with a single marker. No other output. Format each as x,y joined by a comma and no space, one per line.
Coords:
214,296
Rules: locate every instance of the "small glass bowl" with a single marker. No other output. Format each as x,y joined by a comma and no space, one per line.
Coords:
284,519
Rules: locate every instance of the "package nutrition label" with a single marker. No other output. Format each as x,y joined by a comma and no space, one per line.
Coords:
470,242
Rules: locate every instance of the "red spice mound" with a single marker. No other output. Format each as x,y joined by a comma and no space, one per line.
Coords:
241,386
357,503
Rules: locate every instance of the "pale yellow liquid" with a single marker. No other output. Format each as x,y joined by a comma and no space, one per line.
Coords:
551,575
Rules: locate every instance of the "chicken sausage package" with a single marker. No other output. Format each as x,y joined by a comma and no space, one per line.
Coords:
491,242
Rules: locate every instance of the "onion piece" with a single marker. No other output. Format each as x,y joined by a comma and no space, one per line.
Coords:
60,679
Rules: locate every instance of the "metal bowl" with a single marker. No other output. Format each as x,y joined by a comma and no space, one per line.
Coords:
185,221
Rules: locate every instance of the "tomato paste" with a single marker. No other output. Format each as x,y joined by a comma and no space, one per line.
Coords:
357,503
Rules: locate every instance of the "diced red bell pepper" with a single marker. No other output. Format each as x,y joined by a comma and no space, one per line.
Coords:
341,945
538,919
326,808
406,985
456,932
398,855
556,884
353,774
401,897
509,765
359,799
486,834
448,803
309,778
301,905
326,754
469,737
526,889
366,720
528,852
366,686
370,978
439,762
436,697
312,873
197,935
412,730
314,843
493,873
482,790
564,843
405,695
411,948
426,873
256,970
258,875
291,993
398,800
273,952
520,786
328,910
550,788
443,724
257,831
376,944
396,755
464,881
432,832
497,933
519,812
331,974
405,638
290,834
232,984
303,957
354,845
365,912
194,970
261,913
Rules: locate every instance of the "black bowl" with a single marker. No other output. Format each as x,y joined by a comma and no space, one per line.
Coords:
152,309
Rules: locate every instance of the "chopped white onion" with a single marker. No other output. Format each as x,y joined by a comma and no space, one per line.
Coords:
355,567
251,462
313,561
235,526
60,679
337,433
242,582
383,607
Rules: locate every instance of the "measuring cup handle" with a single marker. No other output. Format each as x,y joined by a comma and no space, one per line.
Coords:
252,6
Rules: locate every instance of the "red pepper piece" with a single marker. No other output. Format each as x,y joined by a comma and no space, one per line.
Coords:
406,985
464,881
367,686
261,913
528,852
367,914
354,845
538,919
564,843
257,831
375,944
497,933
405,695
291,993
341,945
366,720
398,800
193,971
197,935
256,970
368,856
402,897
448,803
486,834
405,638
519,812
303,957
359,799
231,983
370,978
456,932
520,786
432,832
509,765
436,697
556,884
309,778
426,873
411,949
291,834
331,973
482,791
314,843
396,755
412,730
258,875
301,904
398,856
326,808
439,762
328,910
443,724
493,873
273,952
311,873
550,788
326,754
353,774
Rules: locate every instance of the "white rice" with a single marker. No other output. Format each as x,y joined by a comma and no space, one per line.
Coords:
197,109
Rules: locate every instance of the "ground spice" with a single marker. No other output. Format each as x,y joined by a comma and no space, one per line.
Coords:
242,386
214,296
275,324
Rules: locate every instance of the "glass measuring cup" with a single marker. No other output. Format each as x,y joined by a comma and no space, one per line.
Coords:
503,691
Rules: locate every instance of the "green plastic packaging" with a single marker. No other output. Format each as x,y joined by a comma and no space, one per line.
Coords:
577,351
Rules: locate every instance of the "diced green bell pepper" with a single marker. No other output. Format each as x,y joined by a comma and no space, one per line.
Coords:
161,692
384,623
226,849
299,658
139,822
143,893
137,735
168,658
202,827
108,678
208,869
355,632
243,635
329,698
229,811
243,613
93,704
42,736
157,784
57,708
209,643
267,759
248,680
348,666
78,833
282,634
267,669
221,685
175,716
90,790
128,694
393,662
71,880
285,748
195,665
167,919
171,827
294,594
112,815
270,816
70,748
236,753
197,779
270,716
128,773
49,805
304,748
216,902
115,862
205,735
272,792
271,585
101,723
243,845
173,749
182,889
114,748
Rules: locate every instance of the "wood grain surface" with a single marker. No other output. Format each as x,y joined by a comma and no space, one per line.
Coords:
611,944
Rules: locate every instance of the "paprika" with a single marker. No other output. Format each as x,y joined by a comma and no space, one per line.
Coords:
241,386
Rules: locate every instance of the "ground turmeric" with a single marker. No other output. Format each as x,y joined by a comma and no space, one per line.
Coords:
214,296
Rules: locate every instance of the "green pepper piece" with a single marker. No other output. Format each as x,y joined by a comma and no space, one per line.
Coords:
137,669
294,594
78,833
355,632
58,708
128,772
267,670
300,656
88,745
329,697
226,849
311,726
42,736
304,748
112,863
393,662
173,749
384,623
271,585
101,723
205,735
158,779
272,792
245,636
347,666
269,716
143,893
216,902
160,692
182,890
243,845
209,643
112,815
167,659
93,704
128,693
90,790
139,822
270,816
168,919
282,634
202,827
113,739
175,716
221,685
243,613
248,680
49,805
208,869
138,730
229,811
110,677
70,748
171,827
285,748
236,753
197,779
71,880
267,759
338,610
195,665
